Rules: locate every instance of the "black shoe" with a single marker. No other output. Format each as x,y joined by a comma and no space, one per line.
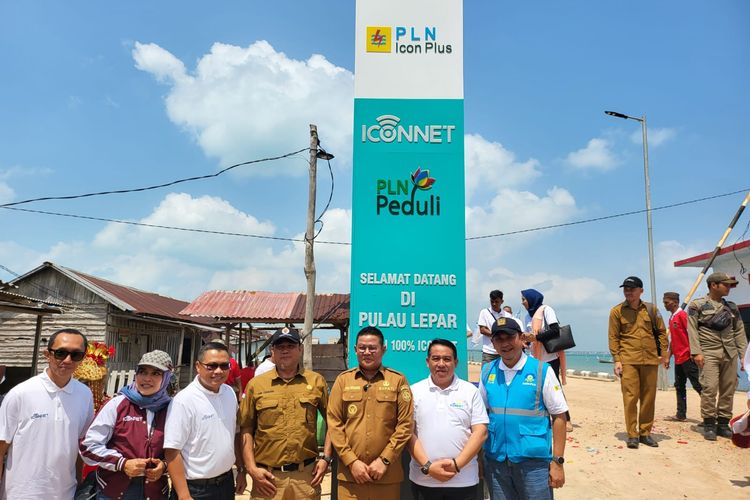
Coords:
724,431
680,418
648,441
633,443
709,432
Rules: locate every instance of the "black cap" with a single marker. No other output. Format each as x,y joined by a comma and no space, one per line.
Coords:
632,282
505,326
286,334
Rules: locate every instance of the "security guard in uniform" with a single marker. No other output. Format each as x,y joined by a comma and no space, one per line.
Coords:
370,423
717,340
278,420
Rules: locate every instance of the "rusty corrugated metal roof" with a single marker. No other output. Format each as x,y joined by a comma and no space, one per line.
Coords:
140,301
257,306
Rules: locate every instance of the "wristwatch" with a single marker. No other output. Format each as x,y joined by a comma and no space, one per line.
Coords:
385,460
558,460
326,458
425,469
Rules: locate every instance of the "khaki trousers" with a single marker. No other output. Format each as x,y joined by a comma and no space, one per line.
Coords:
369,491
719,376
638,383
292,486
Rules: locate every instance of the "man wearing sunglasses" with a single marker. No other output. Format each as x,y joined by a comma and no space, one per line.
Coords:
717,341
200,439
41,422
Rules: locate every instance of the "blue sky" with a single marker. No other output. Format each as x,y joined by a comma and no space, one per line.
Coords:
100,96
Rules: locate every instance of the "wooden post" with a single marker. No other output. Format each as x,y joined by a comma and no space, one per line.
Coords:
37,341
309,256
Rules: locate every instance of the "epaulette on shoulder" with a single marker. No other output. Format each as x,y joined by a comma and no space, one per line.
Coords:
393,371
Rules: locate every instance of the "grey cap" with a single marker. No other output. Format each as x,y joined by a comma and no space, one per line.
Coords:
721,278
157,359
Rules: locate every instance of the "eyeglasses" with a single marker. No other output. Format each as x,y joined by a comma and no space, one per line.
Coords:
61,354
213,366
368,348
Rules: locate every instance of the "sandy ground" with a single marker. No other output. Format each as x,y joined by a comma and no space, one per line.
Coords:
599,465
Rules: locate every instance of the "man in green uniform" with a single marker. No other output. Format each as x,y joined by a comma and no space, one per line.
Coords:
717,341
634,349
278,420
370,423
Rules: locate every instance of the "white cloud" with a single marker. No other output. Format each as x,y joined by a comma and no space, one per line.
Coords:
656,136
513,210
250,102
6,193
668,277
490,166
597,155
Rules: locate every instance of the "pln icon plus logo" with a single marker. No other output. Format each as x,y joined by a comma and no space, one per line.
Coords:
378,39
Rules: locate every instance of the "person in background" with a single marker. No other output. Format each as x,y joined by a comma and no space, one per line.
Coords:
266,366
679,345
370,415
487,317
541,324
234,377
126,438
717,341
525,447
636,357
41,422
508,309
201,441
450,425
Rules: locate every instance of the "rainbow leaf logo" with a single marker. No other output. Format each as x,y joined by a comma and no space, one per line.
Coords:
422,180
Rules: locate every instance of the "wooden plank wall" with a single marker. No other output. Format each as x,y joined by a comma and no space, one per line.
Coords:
328,360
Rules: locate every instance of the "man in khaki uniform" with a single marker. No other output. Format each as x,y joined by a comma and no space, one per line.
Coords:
637,356
370,423
717,341
278,421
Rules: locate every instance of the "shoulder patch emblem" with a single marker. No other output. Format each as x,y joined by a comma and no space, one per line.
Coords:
405,395
352,409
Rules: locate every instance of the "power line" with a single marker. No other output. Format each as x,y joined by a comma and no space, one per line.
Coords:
301,240
155,186
173,228
605,217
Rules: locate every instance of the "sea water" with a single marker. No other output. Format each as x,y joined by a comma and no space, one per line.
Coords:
589,360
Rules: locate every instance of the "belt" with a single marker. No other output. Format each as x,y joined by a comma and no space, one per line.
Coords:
289,467
212,481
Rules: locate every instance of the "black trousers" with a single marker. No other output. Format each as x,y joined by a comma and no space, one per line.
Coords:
555,364
217,488
427,493
683,372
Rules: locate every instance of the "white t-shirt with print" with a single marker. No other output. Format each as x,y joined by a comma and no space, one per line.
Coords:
43,424
202,424
549,318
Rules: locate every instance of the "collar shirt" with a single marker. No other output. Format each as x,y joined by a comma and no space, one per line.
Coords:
368,419
631,336
442,421
43,424
202,424
282,416
552,393
486,318
265,367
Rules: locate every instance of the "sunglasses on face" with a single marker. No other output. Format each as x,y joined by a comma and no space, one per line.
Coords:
213,366
61,354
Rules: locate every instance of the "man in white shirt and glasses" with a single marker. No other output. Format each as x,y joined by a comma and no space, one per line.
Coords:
450,426
41,422
201,442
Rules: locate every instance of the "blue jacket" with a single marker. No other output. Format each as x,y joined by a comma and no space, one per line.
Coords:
520,427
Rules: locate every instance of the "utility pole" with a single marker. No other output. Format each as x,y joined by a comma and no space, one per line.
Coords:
307,358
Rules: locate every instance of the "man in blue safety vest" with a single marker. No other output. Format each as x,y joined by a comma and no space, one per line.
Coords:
524,450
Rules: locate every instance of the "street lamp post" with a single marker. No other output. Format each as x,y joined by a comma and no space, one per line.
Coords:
647,185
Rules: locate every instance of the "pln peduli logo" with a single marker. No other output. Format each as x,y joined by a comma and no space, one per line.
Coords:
378,39
399,196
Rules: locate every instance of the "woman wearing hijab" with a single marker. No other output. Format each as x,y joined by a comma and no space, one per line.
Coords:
125,440
541,324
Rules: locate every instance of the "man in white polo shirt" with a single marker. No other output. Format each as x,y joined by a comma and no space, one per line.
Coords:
41,422
201,442
450,426
487,317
